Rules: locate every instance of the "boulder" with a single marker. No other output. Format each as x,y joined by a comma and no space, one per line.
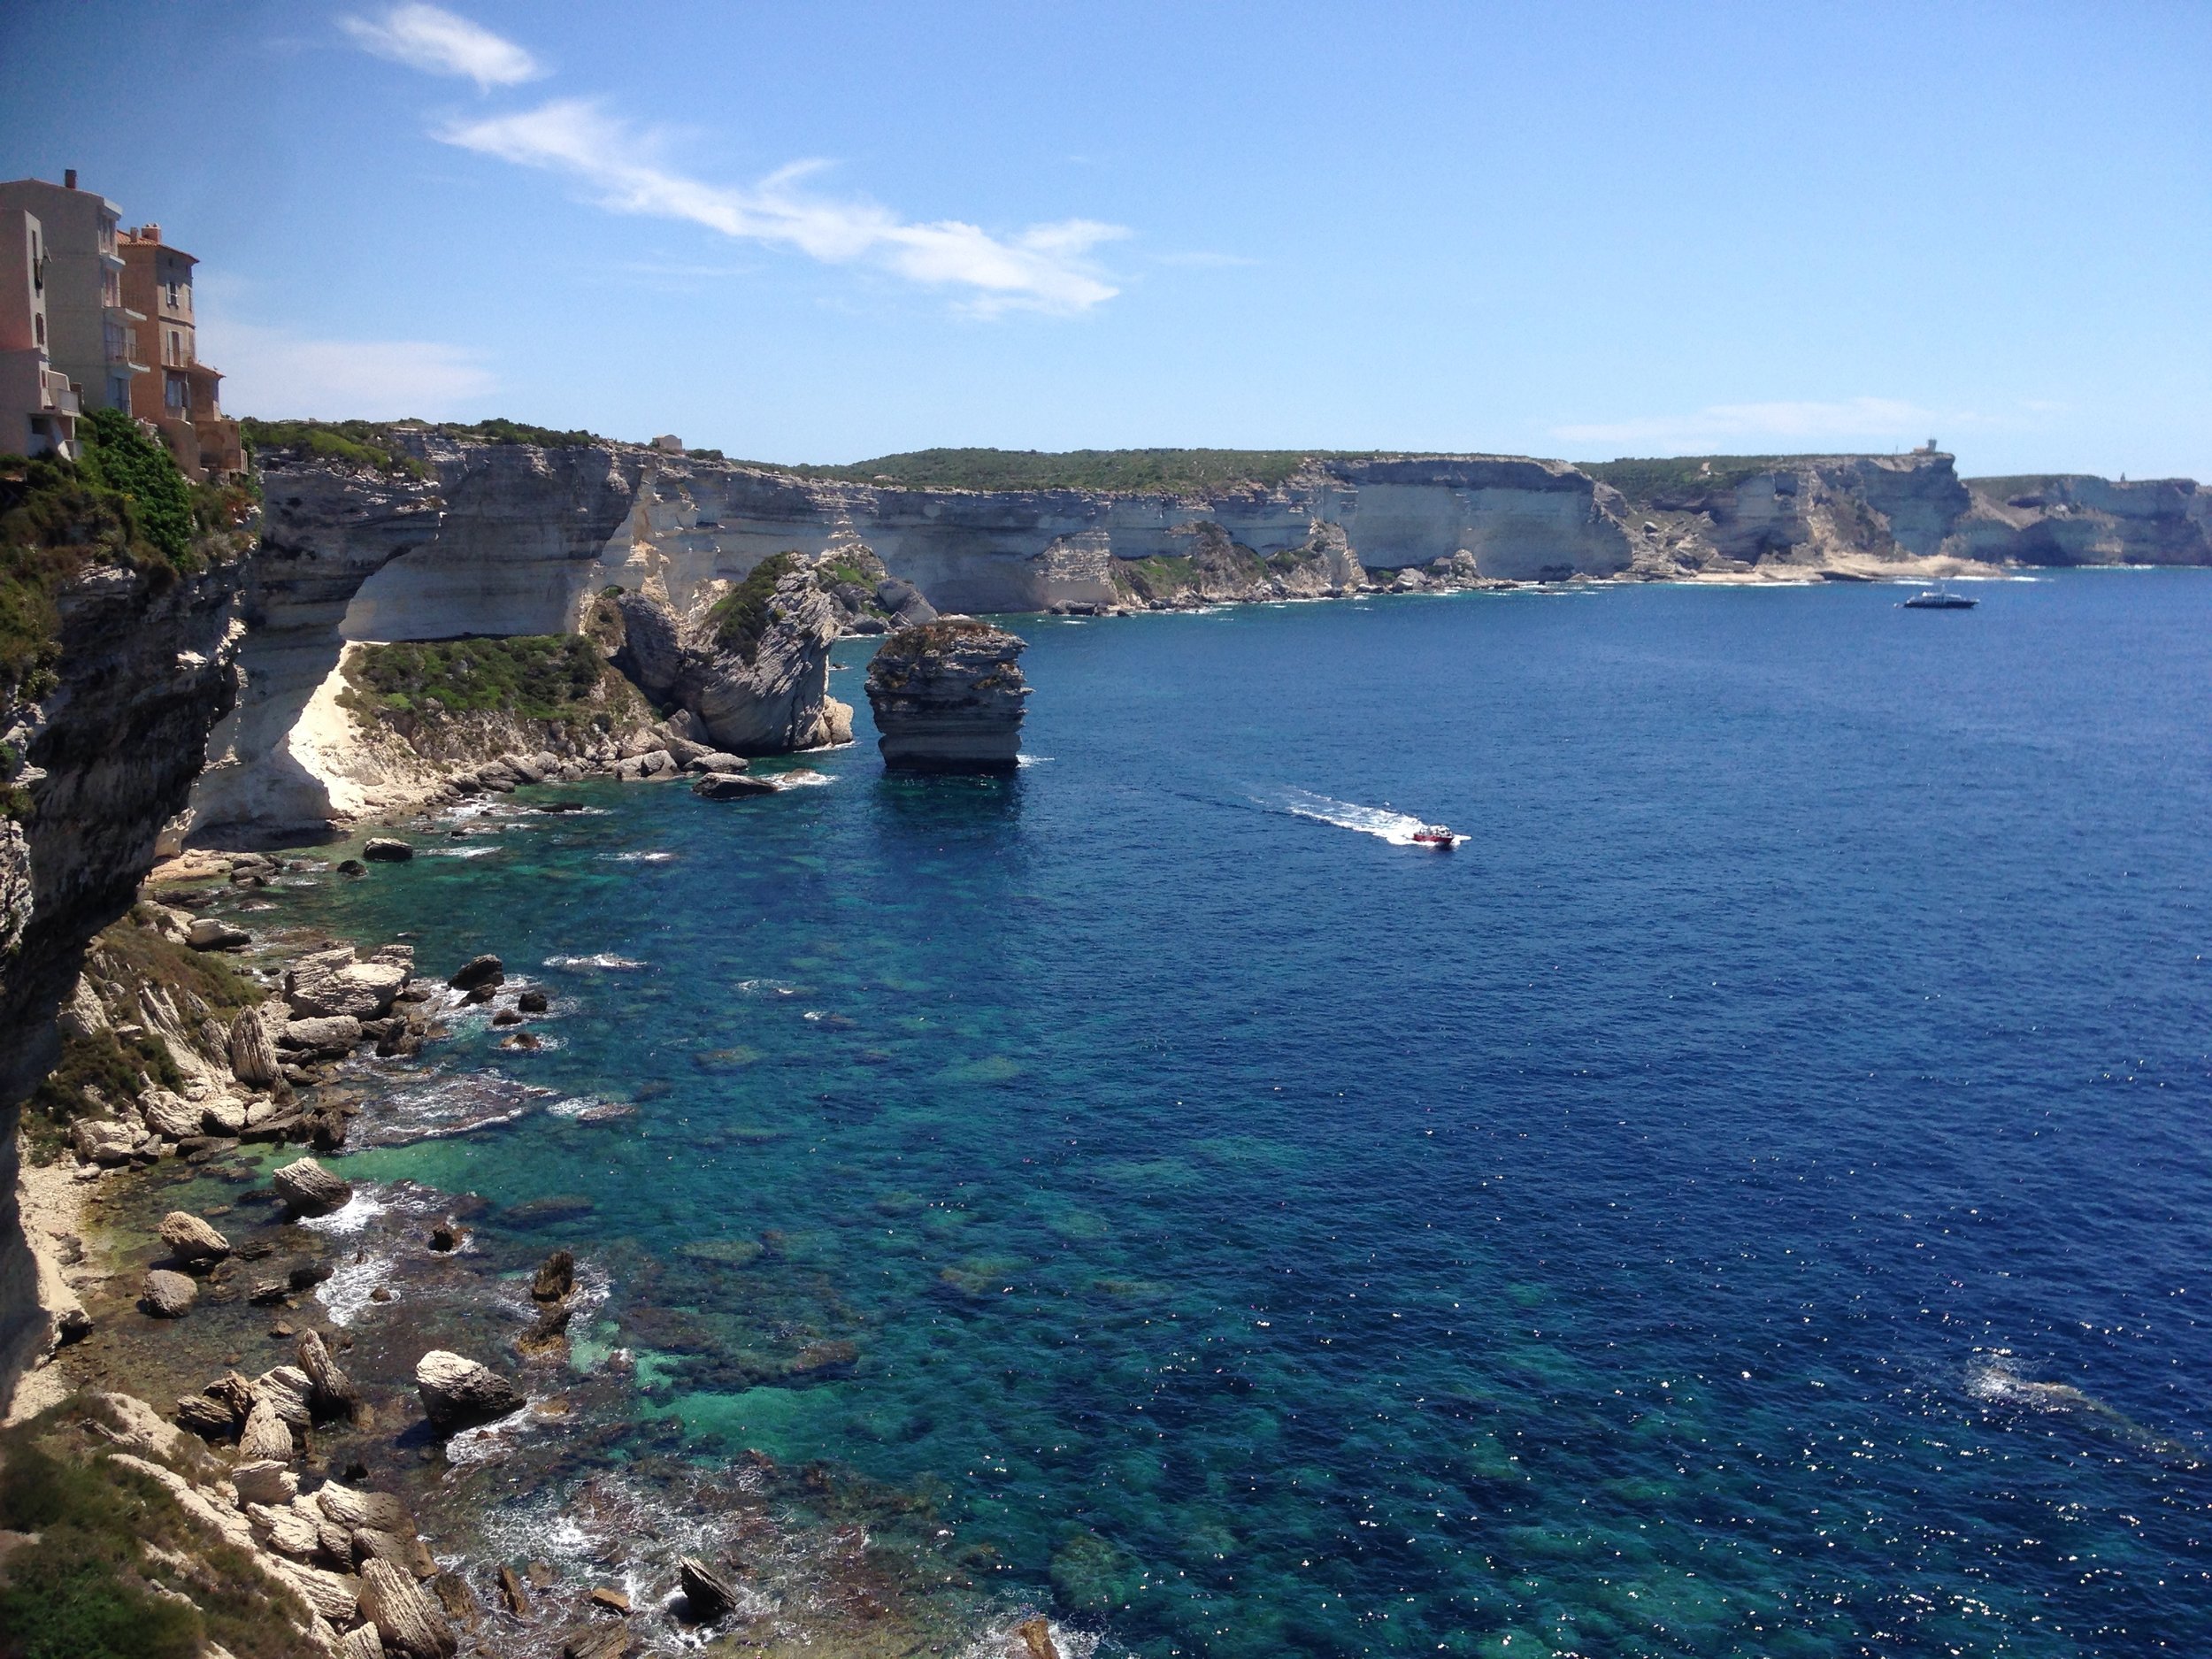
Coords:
103,1140
382,849
191,1238
288,1532
479,971
208,934
330,982
168,1296
716,760
709,1594
286,1391
350,1507
264,1480
207,1417
266,1435
948,697
309,1190
903,601
458,1392
730,785
531,1002
169,1116
511,1593
352,867
330,1391
224,1115
361,1642
596,1641
407,1620
252,1054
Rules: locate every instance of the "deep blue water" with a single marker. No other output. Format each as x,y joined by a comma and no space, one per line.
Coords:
1269,1239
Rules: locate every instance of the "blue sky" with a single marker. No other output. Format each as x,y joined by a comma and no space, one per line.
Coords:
831,231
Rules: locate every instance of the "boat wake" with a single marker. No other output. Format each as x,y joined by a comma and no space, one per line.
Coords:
1398,828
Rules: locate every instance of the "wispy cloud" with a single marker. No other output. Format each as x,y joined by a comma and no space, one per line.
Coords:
437,42
276,373
1044,268
1855,422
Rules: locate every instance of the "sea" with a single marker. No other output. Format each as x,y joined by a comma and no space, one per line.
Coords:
1750,1196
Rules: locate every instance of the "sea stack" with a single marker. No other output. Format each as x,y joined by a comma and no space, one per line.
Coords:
947,696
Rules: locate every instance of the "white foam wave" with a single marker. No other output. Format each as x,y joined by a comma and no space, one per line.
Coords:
458,852
801,778
351,1217
1397,828
638,858
1030,760
605,959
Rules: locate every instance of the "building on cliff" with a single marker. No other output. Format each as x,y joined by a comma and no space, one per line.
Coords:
88,329
38,406
184,398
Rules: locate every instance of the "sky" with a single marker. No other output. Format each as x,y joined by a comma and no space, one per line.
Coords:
828,232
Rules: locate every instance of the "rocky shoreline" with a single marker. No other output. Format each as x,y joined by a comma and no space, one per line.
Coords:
345,1390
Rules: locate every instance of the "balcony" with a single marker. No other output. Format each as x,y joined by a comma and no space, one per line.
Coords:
60,396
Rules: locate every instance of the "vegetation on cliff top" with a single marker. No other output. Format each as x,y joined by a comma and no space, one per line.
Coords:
115,1561
1658,480
740,616
1124,471
533,677
124,504
363,443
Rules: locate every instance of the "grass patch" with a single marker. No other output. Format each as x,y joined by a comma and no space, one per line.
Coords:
125,504
535,677
740,616
361,443
86,1590
1122,472
1671,480
1159,577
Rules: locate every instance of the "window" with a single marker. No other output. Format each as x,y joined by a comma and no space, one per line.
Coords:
38,328
178,394
176,349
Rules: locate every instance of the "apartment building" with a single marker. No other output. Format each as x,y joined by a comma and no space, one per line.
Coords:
38,406
116,311
181,395
88,331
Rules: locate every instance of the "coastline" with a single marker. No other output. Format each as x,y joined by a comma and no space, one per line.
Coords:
810,1553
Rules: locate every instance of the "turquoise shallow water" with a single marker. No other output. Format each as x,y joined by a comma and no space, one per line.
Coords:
1270,1239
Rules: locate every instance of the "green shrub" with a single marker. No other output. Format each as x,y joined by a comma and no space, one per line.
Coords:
85,1589
58,520
536,677
350,443
740,616
118,456
497,431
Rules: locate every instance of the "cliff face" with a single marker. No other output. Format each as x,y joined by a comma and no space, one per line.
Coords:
1518,520
1727,515
109,756
2073,519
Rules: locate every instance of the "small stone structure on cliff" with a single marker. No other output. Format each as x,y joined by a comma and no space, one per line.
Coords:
948,696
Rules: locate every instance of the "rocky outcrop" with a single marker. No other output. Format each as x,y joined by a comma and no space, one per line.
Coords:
948,696
749,663
1791,515
457,1391
101,760
2072,519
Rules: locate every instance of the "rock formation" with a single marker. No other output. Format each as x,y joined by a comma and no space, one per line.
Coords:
2071,519
457,1391
750,662
97,763
948,696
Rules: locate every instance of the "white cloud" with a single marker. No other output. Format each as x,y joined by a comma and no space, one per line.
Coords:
434,40
1861,423
1044,268
276,373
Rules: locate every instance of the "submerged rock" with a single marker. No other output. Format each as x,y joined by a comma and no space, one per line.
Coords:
948,697
730,785
556,1277
457,1391
168,1296
207,934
